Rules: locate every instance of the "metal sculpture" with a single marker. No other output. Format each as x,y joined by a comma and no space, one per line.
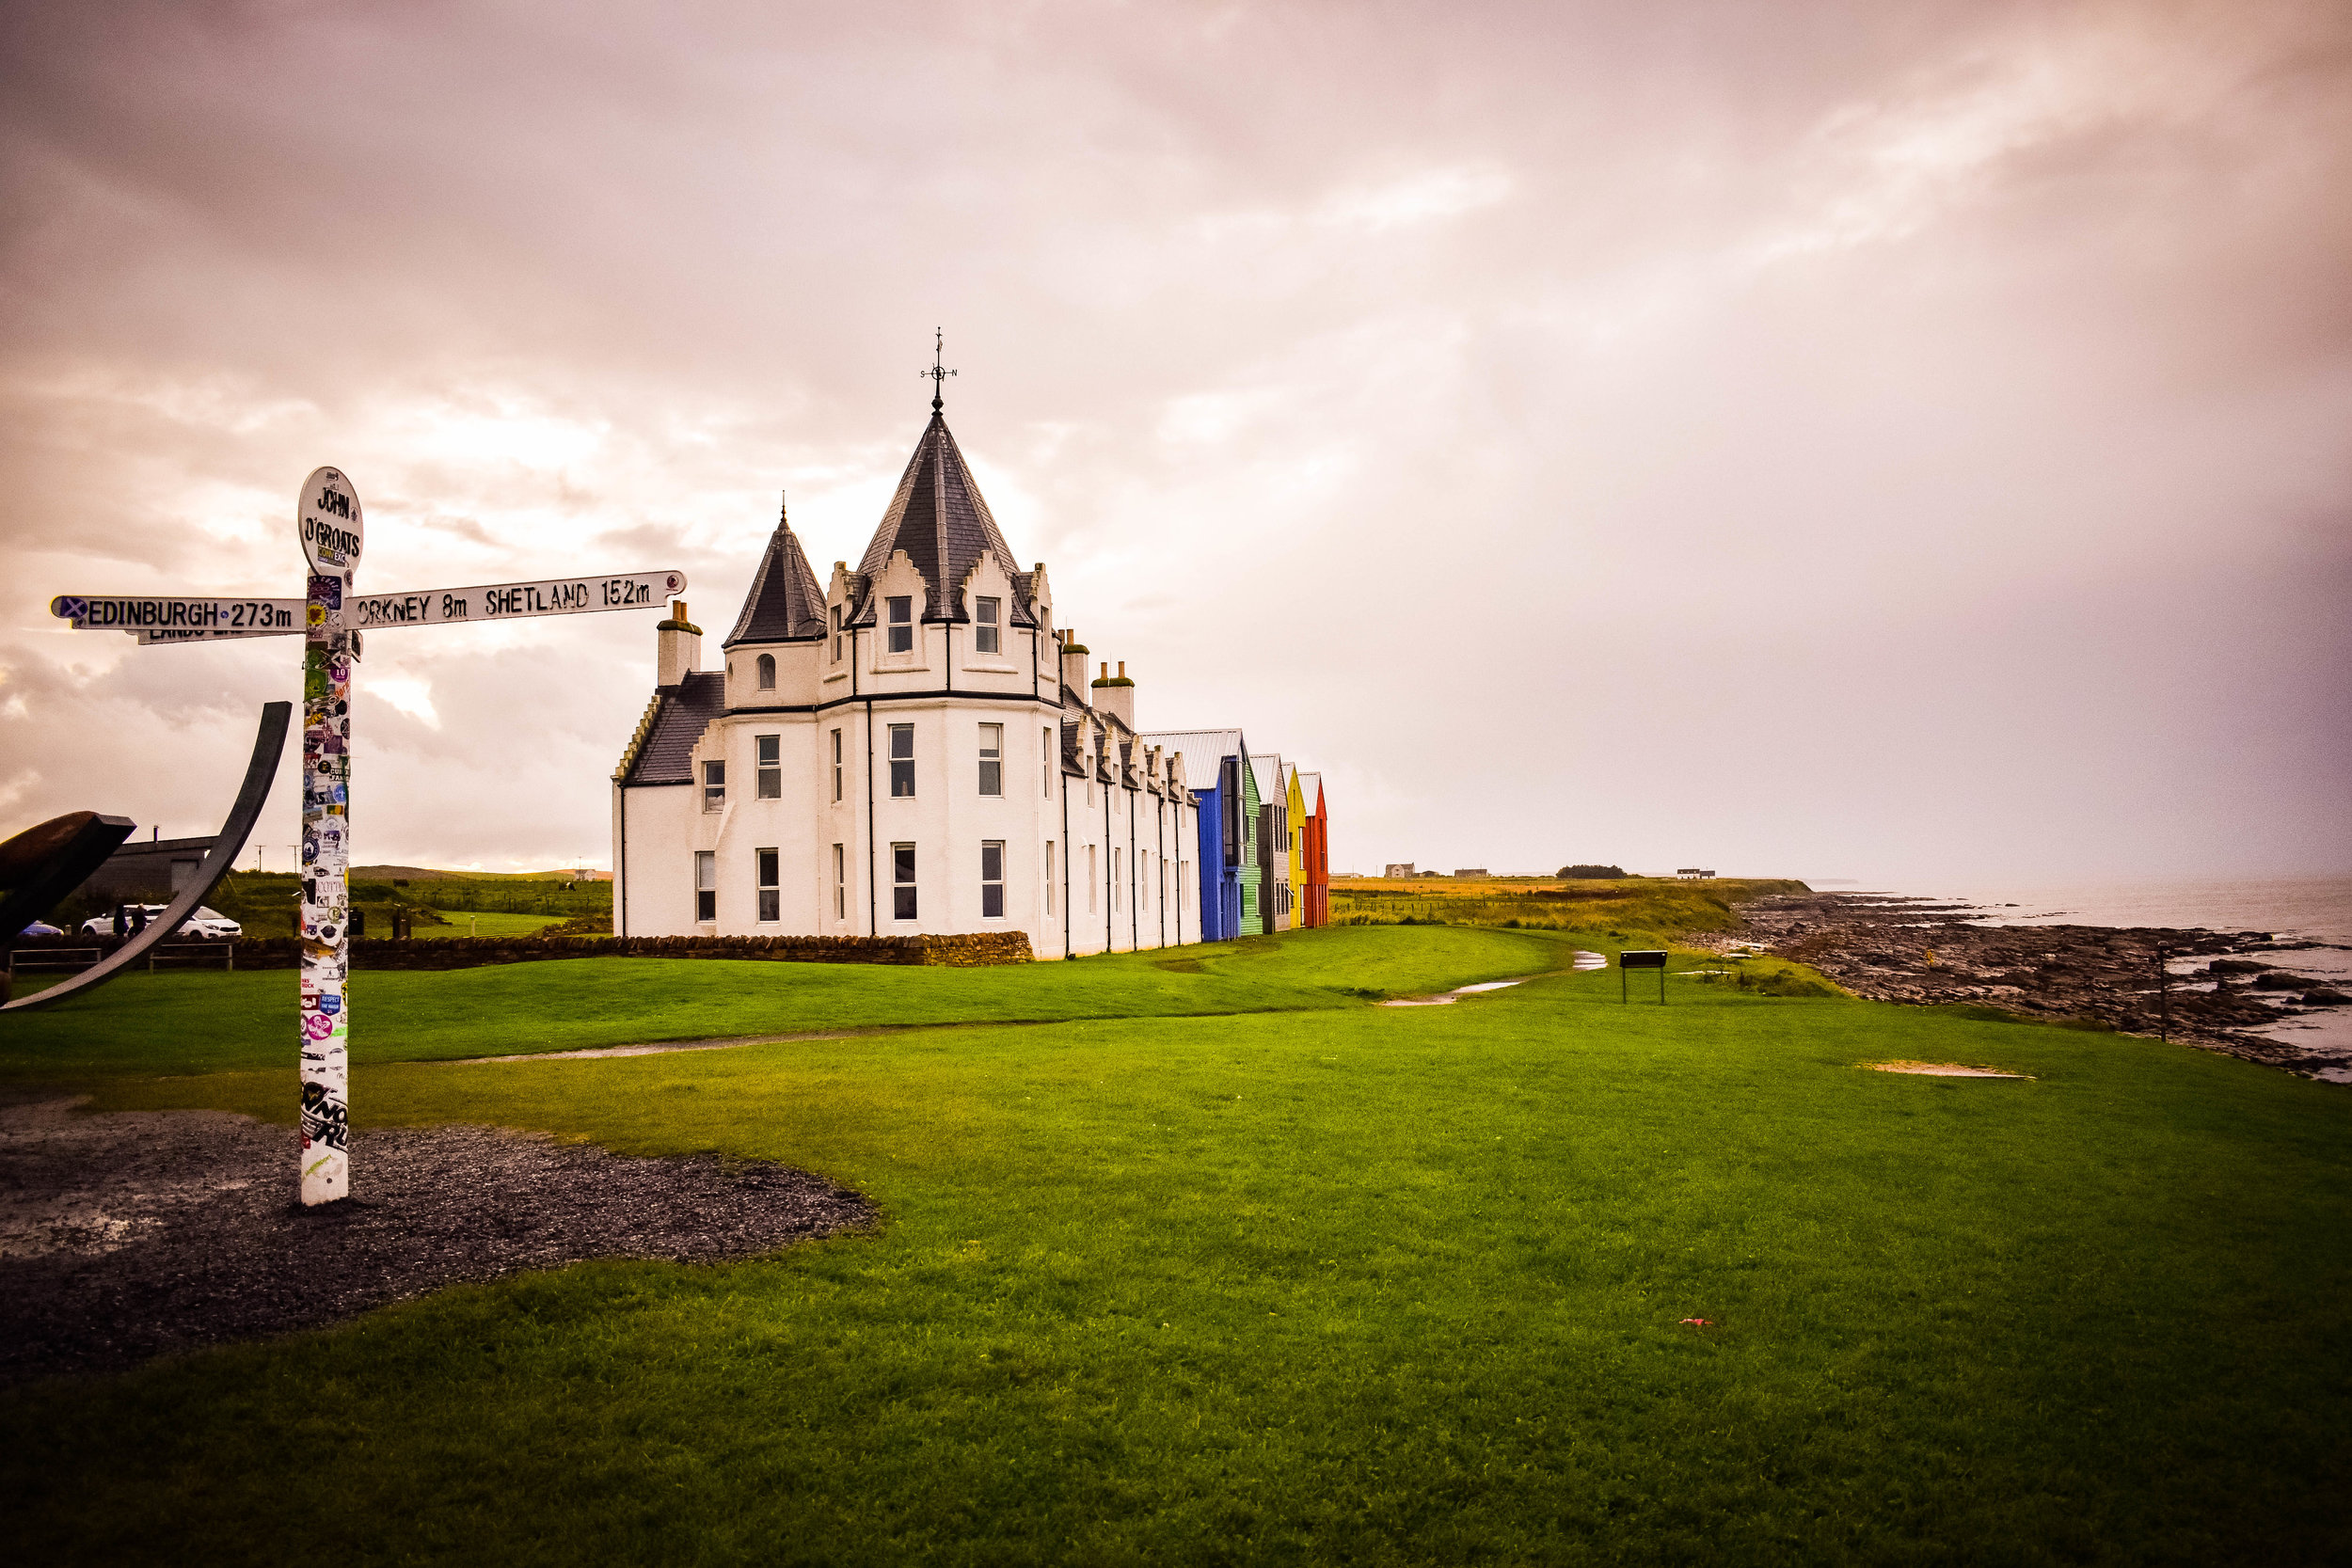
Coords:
43,863
268,743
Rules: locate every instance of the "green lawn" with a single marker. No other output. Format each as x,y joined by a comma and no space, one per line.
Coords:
1336,1284
245,1021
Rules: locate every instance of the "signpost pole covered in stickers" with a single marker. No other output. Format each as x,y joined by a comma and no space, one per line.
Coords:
333,618
332,539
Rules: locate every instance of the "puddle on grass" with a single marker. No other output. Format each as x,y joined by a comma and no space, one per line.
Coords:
1447,999
1943,1069
652,1050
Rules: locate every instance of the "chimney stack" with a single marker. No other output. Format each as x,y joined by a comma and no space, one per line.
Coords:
1073,662
1116,694
679,646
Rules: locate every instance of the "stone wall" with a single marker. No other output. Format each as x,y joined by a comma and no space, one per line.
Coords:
968,951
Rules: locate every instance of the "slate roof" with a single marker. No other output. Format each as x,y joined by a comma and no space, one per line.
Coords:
939,519
687,710
786,604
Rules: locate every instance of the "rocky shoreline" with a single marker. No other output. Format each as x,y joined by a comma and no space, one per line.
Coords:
1895,949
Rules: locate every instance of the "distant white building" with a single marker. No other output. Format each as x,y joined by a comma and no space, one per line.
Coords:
907,749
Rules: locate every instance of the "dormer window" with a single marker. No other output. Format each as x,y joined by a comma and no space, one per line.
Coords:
902,624
767,671
984,628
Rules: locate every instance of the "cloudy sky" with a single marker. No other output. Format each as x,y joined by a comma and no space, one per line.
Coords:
1899,443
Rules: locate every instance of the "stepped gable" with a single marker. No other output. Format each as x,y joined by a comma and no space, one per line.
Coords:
684,711
787,604
939,518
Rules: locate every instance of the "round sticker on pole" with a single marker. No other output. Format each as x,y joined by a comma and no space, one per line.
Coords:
330,521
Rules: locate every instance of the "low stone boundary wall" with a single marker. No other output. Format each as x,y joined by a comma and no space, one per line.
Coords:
977,949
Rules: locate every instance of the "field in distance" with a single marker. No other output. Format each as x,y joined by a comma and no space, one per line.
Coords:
1647,908
426,874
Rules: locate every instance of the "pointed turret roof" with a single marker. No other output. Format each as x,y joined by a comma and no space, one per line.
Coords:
787,604
938,517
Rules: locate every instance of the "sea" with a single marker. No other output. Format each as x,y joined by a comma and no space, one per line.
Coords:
2314,912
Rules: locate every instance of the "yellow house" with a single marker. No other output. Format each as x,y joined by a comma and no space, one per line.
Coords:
1296,819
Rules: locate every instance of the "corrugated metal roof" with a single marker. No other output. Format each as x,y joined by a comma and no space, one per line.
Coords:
687,710
1310,790
786,603
1269,769
1203,750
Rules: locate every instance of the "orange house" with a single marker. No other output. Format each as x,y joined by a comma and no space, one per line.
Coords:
1315,902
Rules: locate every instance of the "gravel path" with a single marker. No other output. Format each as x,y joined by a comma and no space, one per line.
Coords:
131,1235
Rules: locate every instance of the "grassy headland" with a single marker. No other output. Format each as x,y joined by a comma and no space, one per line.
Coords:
1175,1280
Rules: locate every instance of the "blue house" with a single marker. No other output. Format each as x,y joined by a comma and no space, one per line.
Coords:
1216,767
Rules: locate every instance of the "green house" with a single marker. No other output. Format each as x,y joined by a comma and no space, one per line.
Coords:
1254,914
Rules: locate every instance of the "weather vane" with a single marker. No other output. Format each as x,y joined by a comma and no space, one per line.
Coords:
938,374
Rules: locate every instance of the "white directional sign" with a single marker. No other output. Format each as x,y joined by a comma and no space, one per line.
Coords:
177,620
512,601
210,617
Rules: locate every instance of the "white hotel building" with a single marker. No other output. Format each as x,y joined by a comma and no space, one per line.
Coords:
908,749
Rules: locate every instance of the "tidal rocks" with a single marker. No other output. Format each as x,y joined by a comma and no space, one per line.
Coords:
2326,996
1894,949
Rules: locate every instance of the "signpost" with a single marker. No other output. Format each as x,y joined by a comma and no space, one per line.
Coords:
332,539
1641,957
331,618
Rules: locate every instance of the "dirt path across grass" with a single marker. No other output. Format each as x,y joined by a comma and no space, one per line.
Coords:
728,1044
131,1235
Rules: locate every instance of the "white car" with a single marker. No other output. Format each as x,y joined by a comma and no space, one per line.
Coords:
212,925
206,922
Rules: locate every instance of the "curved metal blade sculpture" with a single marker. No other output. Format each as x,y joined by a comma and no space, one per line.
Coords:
269,742
43,863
